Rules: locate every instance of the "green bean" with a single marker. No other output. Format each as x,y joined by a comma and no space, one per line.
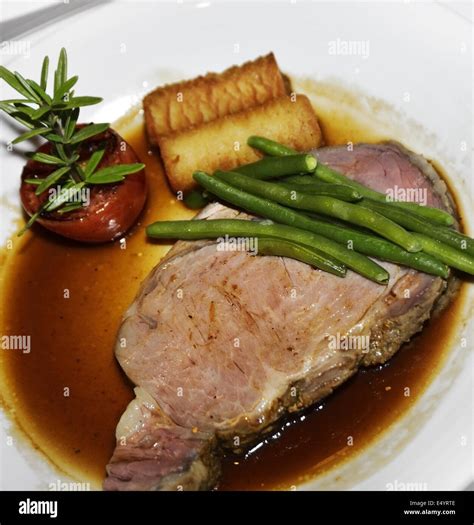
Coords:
338,191
434,215
270,147
353,260
412,222
327,206
272,167
301,180
195,200
447,254
465,243
215,229
359,241
311,256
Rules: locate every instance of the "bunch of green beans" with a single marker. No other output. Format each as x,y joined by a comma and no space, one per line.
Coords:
325,205
429,226
326,174
403,233
335,253
361,242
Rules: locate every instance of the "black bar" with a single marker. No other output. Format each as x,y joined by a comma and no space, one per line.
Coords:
291,507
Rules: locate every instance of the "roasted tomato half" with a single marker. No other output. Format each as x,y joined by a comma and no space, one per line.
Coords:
111,209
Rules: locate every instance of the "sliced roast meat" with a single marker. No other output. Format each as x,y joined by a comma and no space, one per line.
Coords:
222,344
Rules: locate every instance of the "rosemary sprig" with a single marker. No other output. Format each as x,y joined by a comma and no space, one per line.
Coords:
54,118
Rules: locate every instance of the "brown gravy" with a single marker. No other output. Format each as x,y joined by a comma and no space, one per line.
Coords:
69,392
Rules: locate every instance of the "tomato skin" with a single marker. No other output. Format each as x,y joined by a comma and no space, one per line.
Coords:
113,208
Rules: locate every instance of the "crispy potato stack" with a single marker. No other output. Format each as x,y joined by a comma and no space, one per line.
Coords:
222,143
204,123
179,106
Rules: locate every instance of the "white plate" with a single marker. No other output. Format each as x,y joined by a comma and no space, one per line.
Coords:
418,59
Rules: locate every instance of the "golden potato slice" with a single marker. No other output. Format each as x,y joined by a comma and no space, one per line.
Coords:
182,105
222,143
